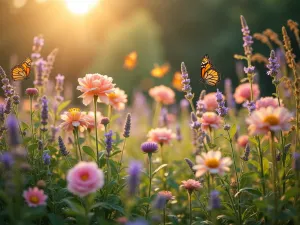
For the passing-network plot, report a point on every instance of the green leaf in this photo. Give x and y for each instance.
(115, 153)
(253, 141)
(24, 126)
(62, 106)
(248, 178)
(74, 205)
(32, 147)
(56, 219)
(158, 169)
(291, 193)
(89, 151)
(232, 130)
(249, 190)
(266, 165)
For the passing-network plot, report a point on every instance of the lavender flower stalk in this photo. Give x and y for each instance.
(178, 133)
(108, 142)
(201, 107)
(247, 153)
(62, 148)
(247, 38)
(186, 86)
(221, 110)
(46, 158)
(59, 87)
(13, 131)
(134, 172)
(44, 114)
(126, 134)
(228, 93)
(215, 202)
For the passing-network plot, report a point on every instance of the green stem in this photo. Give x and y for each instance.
(96, 127)
(108, 168)
(274, 176)
(164, 215)
(77, 142)
(250, 77)
(156, 115)
(31, 118)
(192, 105)
(121, 159)
(150, 181)
(236, 175)
(190, 207)
(261, 156)
(109, 112)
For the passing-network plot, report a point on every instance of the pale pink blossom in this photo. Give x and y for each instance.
(95, 85)
(117, 99)
(35, 197)
(269, 119)
(74, 118)
(191, 185)
(212, 162)
(211, 120)
(161, 135)
(242, 141)
(266, 102)
(85, 178)
(243, 92)
(210, 101)
(162, 94)
(90, 118)
(167, 195)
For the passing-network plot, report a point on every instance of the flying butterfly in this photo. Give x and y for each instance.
(209, 75)
(21, 71)
(130, 60)
(160, 71)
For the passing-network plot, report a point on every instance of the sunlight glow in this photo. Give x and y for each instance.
(81, 6)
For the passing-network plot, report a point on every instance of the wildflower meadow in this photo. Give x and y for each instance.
(223, 157)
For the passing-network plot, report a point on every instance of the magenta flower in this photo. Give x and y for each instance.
(85, 178)
(35, 197)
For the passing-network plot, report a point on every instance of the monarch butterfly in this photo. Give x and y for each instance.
(209, 75)
(130, 60)
(21, 71)
(160, 71)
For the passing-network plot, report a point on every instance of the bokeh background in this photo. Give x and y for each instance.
(96, 39)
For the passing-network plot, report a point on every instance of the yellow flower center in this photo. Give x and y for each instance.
(112, 95)
(212, 163)
(73, 111)
(84, 176)
(271, 119)
(34, 199)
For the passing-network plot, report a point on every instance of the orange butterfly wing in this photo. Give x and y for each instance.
(208, 74)
(177, 81)
(130, 60)
(160, 71)
(21, 72)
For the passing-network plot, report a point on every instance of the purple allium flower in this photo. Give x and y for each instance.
(46, 158)
(178, 133)
(186, 82)
(149, 147)
(246, 153)
(16, 99)
(273, 65)
(62, 147)
(137, 222)
(7, 159)
(221, 110)
(134, 171)
(215, 202)
(13, 130)
(44, 112)
(127, 126)
(108, 142)
(247, 38)
(8, 106)
(40, 145)
(296, 161)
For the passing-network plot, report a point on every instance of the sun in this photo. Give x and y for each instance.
(81, 6)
